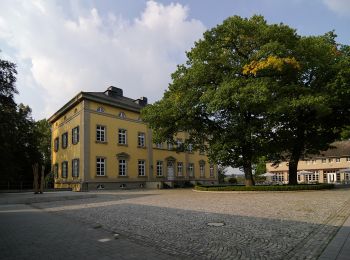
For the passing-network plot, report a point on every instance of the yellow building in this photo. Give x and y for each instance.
(330, 166)
(100, 142)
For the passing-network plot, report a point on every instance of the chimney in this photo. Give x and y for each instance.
(114, 92)
(142, 101)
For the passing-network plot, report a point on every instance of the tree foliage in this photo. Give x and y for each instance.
(23, 141)
(250, 89)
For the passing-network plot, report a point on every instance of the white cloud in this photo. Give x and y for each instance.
(59, 56)
(339, 6)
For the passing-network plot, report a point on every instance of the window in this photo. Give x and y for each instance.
(122, 167)
(100, 109)
(75, 168)
(190, 148)
(122, 136)
(324, 160)
(159, 168)
(64, 169)
(170, 146)
(122, 115)
(348, 159)
(159, 145)
(180, 169)
(100, 166)
(141, 139)
(313, 161)
(330, 160)
(202, 170)
(142, 168)
(100, 133)
(337, 159)
(190, 170)
(75, 135)
(65, 140)
(211, 170)
(56, 144)
(55, 170)
(179, 143)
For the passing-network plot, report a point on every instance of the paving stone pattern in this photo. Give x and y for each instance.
(258, 225)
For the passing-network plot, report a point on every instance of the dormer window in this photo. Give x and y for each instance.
(100, 109)
(122, 115)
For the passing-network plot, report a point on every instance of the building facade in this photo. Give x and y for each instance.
(330, 166)
(100, 142)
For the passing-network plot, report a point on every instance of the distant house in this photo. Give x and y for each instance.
(100, 142)
(330, 166)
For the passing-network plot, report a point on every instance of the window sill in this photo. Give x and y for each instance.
(126, 145)
(123, 176)
(142, 147)
(101, 142)
(101, 176)
(142, 176)
(75, 143)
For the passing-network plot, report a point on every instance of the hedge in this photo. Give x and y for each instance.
(265, 187)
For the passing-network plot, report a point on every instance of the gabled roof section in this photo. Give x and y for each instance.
(337, 149)
(112, 96)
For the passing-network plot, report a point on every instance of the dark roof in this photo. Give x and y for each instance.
(337, 149)
(100, 97)
(116, 101)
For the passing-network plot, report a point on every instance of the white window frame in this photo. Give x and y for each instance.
(122, 167)
(159, 145)
(190, 148)
(191, 170)
(101, 166)
(180, 169)
(100, 133)
(122, 136)
(159, 168)
(201, 170)
(141, 139)
(170, 146)
(141, 167)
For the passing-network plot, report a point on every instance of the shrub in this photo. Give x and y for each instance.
(266, 188)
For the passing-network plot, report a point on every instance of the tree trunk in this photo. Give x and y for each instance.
(293, 171)
(294, 159)
(247, 168)
(35, 167)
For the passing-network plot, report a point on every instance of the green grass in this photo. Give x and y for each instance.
(265, 188)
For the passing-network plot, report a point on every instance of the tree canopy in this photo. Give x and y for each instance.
(23, 141)
(250, 89)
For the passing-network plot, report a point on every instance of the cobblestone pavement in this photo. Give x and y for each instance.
(29, 233)
(257, 225)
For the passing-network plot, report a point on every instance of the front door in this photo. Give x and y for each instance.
(170, 171)
(331, 177)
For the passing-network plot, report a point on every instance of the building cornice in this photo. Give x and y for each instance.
(87, 96)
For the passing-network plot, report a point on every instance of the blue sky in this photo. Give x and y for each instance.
(64, 47)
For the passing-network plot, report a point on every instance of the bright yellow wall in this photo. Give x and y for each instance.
(73, 151)
(112, 148)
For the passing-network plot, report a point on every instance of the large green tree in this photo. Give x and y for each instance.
(311, 105)
(23, 141)
(216, 97)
